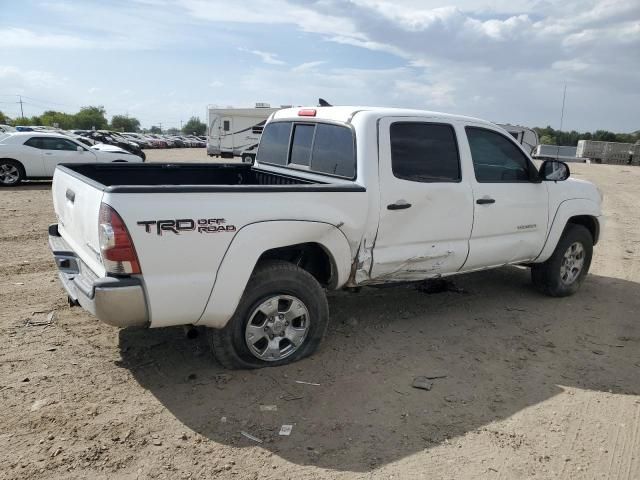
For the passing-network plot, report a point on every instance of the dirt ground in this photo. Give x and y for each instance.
(528, 387)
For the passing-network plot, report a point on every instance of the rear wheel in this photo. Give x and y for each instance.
(563, 273)
(281, 318)
(11, 173)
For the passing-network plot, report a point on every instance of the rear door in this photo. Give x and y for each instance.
(426, 205)
(511, 206)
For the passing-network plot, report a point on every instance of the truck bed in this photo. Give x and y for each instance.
(189, 177)
(115, 176)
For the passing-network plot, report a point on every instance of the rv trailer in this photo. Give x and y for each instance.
(526, 137)
(235, 132)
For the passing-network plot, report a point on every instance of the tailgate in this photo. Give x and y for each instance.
(77, 206)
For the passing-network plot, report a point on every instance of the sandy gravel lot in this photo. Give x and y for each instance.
(531, 387)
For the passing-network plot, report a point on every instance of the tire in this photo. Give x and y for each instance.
(279, 282)
(557, 278)
(247, 158)
(11, 173)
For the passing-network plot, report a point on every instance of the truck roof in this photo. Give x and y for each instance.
(345, 113)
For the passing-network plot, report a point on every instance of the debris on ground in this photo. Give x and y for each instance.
(285, 430)
(268, 408)
(250, 437)
(307, 383)
(423, 383)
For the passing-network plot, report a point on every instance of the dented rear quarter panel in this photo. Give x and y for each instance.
(179, 270)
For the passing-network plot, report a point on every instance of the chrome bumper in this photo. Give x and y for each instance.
(117, 301)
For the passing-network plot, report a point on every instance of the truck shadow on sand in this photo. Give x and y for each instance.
(501, 346)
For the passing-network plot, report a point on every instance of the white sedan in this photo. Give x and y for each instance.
(34, 155)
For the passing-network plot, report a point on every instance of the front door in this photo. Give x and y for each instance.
(61, 150)
(426, 205)
(511, 206)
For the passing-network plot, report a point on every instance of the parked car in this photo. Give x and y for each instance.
(338, 197)
(35, 155)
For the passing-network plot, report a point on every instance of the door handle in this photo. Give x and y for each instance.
(48, 153)
(71, 195)
(398, 206)
(485, 201)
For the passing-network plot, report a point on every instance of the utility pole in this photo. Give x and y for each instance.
(181, 125)
(21, 110)
(160, 127)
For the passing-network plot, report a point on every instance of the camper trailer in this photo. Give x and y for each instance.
(235, 132)
(526, 137)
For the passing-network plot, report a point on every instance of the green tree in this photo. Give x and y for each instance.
(91, 117)
(3, 118)
(124, 123)
(547, 140)
(173, 131)
(604, 136)
(62, 120)
(194, 126)
(155, 129)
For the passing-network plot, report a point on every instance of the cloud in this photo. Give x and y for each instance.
(23, 38)
(307, 66)
(15, 79)
(266, 57)
(216, 84)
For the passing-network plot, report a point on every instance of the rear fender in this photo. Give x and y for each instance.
(247, 247)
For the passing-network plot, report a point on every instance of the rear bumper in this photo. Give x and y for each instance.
(117, 301)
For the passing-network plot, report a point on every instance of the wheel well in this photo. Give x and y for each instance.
(311, 257)
(590, 223)
(16, 161)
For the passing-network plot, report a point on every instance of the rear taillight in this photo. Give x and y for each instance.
(118, 253)
(307, 112)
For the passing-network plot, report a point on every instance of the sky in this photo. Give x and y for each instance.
(163, 61)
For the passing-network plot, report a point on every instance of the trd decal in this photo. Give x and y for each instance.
(202, 225)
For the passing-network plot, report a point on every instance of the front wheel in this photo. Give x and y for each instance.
(563, 273)
(11, 173)
(281, 318)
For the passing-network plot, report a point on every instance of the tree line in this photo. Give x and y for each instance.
(550, 136)
(95, 118)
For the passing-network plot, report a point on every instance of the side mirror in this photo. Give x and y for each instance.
(554, 171)
(80, 149)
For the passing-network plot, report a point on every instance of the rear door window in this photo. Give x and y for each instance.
(424, 152)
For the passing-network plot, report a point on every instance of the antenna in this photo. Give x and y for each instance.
(564, 97)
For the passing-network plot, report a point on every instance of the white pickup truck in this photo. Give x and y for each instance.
(338, 197)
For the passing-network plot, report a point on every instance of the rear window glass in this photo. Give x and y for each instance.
(274, 144)
(333, 151)
(322, 147)
(301, 144)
